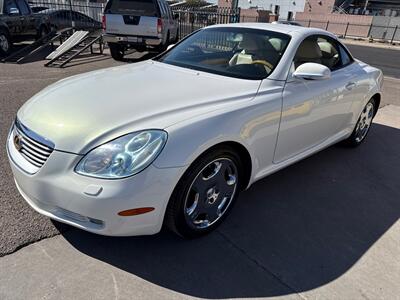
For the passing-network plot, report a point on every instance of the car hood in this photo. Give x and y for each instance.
(83, 111)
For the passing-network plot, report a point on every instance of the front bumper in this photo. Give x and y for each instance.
(132, 40)
(93, 204)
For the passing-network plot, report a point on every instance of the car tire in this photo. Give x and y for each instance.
(117, 51)
(205, 194)
(363, 125)
(5, 43)
(43, 31)
(163, 47)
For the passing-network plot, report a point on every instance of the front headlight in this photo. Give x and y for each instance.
(124, 156)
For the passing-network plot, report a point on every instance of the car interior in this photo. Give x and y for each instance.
(249, 54)
(318, 50)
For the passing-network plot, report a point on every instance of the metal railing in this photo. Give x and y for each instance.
(377, 32)
(193, 18)
(70, 13)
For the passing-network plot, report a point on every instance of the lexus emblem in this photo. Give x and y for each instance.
(18, 142)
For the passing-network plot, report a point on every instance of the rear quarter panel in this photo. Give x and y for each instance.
(369, 83)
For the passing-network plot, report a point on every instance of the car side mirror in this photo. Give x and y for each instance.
(312, 71)
(13, 11)
(170, 46)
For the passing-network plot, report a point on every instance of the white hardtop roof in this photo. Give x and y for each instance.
(282, 28)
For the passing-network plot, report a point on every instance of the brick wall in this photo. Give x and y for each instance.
(358, 25)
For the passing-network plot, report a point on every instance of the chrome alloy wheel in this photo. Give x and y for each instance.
(4, 44)
(364, 122)
(211, 193)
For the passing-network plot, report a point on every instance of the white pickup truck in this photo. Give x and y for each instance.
(138, 24)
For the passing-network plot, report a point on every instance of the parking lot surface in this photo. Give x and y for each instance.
(326, 227)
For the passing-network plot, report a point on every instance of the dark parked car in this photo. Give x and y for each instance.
(64, 18)
(19, 23)
(36, 9)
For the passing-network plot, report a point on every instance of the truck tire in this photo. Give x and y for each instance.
(117, 51)
(162, 47)
(5, 42)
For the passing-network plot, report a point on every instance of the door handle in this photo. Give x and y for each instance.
(350, 85)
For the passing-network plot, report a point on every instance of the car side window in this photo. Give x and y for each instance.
(24, 9)
(344, 55)
(319, 49)
(10, 6)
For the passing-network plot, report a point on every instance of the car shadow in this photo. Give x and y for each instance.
(293, 231)
(38, 56)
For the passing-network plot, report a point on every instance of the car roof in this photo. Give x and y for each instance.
(54, 10)
(281, 28)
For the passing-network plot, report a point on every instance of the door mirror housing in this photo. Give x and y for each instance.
(13, 11)
(312, 71)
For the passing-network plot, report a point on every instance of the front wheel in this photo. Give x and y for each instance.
(363, 124)
(205, 194)
(5, 43)
(117, 51)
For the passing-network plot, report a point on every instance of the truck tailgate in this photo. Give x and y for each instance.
(131, 25)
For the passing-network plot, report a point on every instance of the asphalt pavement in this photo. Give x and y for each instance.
(342, 208)
(388, 60)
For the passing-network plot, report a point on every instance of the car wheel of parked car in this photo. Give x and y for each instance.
(363, 124)
(205, 194)
(5, 42)
(117, 51)
(162, 47)
(43, 31)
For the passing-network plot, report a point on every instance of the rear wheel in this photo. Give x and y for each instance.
(163, 47)
(363, 124)
(43, 31)
(117, 51)
(5, 43)
(205, 194)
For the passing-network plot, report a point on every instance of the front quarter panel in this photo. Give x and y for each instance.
(252, 123)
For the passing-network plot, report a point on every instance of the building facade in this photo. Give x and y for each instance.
(283, 9)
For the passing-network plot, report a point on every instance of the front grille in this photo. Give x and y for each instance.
(31, 146)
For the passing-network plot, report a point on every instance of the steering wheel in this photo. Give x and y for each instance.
(196, 50)
(264, 63)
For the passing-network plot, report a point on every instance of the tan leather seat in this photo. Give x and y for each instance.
(309, 51)
(330, 56)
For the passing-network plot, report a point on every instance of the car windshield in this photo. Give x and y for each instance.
(235, 52)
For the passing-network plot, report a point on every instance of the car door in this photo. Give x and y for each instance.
(27, 19)
(13, 17)
(314, 110)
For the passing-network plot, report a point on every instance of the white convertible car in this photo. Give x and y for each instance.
(173, 140)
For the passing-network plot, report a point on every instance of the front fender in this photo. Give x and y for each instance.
(253, 124)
